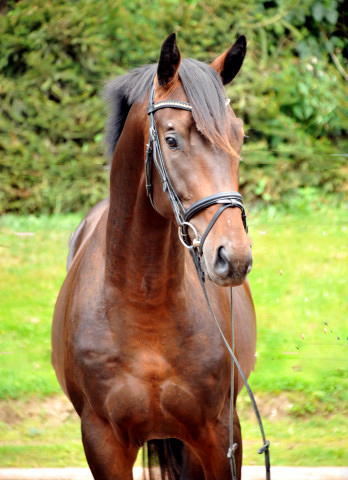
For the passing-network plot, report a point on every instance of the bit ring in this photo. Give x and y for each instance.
(195, 242)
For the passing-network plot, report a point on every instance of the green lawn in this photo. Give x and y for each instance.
(33, 252)
(299, 284)
(301, 378)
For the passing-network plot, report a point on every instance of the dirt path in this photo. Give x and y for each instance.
(249, 473)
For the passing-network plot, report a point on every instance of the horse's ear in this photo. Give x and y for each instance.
(169, 61)
(228, 64)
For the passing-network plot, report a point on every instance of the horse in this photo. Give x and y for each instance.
(134, 346)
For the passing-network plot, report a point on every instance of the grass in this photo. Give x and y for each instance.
(300, 292)
(33, 252)
(40, 432)
(301, 381)
(301, 301)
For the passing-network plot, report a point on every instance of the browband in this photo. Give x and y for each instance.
(169, 104)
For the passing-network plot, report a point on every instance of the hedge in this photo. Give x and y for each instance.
(55, 56)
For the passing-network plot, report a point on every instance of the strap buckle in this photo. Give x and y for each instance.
(153, 134)
(264, 448)
(231, 450)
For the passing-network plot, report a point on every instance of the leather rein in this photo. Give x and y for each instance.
(230, 199)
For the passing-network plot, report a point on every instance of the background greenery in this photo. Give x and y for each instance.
(56, 54)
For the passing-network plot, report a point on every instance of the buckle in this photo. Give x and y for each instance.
(231, 450)
(153, 134)
(264, 448)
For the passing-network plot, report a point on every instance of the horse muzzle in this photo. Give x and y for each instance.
(229, 266)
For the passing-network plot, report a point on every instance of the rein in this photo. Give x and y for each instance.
(227, 200)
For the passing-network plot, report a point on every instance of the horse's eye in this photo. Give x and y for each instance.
(171, 143)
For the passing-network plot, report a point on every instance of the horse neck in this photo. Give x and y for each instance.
(144, 258)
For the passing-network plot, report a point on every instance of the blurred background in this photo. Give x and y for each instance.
(55, 56)
(291, 93)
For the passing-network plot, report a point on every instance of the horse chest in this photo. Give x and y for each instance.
(149, 383)
(179, 395)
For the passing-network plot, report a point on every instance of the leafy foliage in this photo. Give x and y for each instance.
(56, 54)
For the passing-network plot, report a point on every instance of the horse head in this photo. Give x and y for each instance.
(200, 144)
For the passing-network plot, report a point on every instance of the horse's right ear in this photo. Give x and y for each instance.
(228, 64)
(169, 61)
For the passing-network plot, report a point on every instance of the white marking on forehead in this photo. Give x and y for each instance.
(170, 125)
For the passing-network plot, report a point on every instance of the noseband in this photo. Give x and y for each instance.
(227, 200)
(183, 217)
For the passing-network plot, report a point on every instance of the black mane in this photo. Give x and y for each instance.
(203, 88)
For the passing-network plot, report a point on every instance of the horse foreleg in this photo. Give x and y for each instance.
(106, 456)
(237, 438)
(213, 447)
(192, 468)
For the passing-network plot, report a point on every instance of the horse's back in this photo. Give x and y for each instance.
(85, 229)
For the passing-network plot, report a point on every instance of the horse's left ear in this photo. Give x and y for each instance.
(169, 61)
(228, 64)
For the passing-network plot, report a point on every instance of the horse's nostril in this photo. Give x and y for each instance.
(229, 266)
(221, 264)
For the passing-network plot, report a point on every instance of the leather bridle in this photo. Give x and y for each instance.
(154, 156)
(227, 200)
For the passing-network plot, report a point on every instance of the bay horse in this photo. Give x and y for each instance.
(134, 346)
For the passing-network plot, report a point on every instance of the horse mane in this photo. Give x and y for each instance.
(204, 91)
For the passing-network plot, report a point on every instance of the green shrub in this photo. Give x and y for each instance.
(56, 55)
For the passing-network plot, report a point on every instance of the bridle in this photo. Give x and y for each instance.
(182, 216)
(230, 199)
